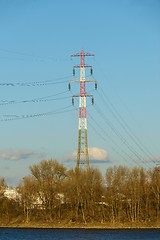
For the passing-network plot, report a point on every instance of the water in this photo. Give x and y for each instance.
(78, 234)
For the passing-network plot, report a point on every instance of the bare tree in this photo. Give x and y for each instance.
(2, 186)
(84, 191)
(29, 196)
(155, 190)
(49, 176)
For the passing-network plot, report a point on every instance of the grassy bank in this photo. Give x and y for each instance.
(80, 225)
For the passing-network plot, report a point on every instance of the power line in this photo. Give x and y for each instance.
(119, 135)
(32, 56)
(35, 100)
(125, 126)
(36, 83)
(20, 117)
(113, 142)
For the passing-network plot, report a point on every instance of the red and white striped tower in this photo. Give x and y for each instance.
(82, 152)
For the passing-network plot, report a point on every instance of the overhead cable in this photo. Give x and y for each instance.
(36, 83)
(125, 126)
(35, 100)
(19, 117)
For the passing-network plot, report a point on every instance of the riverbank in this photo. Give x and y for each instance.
(71, 225)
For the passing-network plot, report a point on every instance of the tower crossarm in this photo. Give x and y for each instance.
(86, 95)
(86, 80)
(84, 66)
(82, 53)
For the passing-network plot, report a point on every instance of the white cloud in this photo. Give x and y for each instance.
(98, 154)
(95, 154)
(19, 154)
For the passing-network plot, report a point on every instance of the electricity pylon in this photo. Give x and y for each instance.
(82, 151)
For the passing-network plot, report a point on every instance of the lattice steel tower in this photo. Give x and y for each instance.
(82, 151)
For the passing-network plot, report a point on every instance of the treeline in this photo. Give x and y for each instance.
(54, 194)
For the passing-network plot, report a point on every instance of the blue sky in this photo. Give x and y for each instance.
(36, 40)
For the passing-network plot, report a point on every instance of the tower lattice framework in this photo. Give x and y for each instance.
(82, 151)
